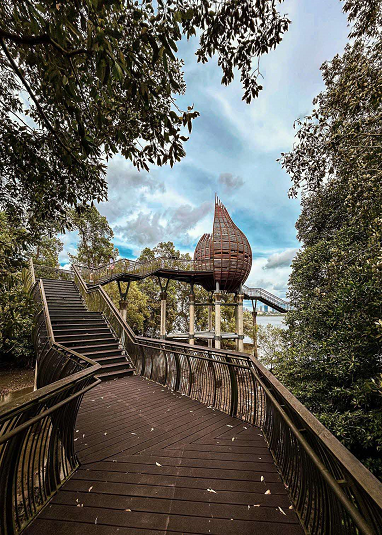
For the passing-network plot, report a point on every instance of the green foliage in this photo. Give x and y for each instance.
(95, 247)
(271, 344)
(137, 308)
(101, 78)
(333, 359)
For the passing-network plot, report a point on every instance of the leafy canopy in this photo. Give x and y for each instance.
(81, 80)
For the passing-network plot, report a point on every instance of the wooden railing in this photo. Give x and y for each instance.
(331, 491)
(37, 430)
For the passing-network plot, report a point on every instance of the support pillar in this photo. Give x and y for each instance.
(210, 326)
(217, 297)
(240, 321)
(191, 335)
(123, 309)
(254, 323)
(163, 303)
(123, 299)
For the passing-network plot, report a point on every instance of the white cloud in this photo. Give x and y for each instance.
(282, 259)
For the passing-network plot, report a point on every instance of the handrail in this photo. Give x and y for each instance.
(37, 452)
(332, 492)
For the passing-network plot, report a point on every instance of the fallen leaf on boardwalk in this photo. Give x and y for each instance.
(96, 520)
(249, 506)
(75, 439)
(152, 429)
(78, 505)
(262, 478)
(257, 505)
(90, 488)
(105, 433)
(281, 511)
(83, 436)
(77, 500)
(229, 425)
(233, 438)
(267, 492)
(158, 464)
(128, 510)
(212, 490)
(245, 427)
(291, 507)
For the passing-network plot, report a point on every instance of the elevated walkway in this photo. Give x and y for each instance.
(191, 271)
(156, 462)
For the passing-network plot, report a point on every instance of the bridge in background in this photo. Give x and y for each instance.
(198, 440)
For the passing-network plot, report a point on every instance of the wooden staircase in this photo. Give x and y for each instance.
(83, 331)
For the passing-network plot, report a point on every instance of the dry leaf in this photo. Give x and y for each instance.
(90, 488)
(105, 433)
(96, 520)
(158, 464)
(212, 490)
(152, 429)
(229, 425)
(291, 507)
(129, 510)
(256, 505)
(281, 511)
(267, 492)
(262, 478)
(233, 438)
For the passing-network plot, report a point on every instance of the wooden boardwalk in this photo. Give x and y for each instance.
(155, 462)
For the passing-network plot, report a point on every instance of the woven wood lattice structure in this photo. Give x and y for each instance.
(229, 250)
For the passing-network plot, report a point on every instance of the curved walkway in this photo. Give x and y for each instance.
(156, 462)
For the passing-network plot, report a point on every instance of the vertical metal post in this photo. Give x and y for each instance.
(210, 326)
(163, 303)
(217, 297)
(191, 335)
(240, 320)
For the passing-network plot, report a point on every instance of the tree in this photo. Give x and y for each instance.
(100, 78)
(16, 303)
(333, 359)
(95, 247)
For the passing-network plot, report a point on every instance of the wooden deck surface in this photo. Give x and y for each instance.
(155, 462)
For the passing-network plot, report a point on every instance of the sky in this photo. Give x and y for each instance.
(232, 151)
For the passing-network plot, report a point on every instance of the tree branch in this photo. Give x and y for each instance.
(34, 98)
(41, 39)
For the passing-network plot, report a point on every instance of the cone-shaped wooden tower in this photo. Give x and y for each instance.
(229, 250)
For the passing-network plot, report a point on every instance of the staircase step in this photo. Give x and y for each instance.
(104, 353)
(78, 324)
(115, 375)
(81, 337)
(85, 329)
(87, 346)
(111, 359)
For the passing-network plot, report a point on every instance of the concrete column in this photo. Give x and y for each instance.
(163, 302)
(240, 322)
(217, 297)
(210, 326)
(191, 335)
(123, 309)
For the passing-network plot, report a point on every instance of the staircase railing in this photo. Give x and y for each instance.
(269, 298)
(37, 432)
(331, 491)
